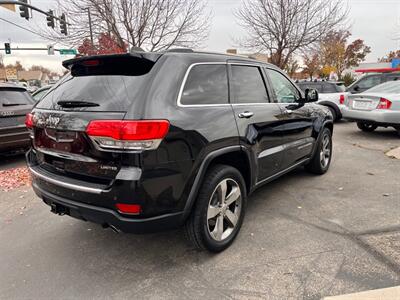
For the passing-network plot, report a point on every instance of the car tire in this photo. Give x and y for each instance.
(366, 127)
(321, 160)
(210, 226)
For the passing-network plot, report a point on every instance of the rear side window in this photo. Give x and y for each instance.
(12, 97)
(248, 85)
(206, 84)
(112, 85)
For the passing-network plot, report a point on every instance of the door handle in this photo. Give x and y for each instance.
(246, 114)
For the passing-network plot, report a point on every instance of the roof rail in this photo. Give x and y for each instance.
(180, 50)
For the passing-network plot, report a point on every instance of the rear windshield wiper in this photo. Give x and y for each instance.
(14, 104)
(77, 104)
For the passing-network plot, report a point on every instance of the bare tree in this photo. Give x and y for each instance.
(282, 27)
(150, 24)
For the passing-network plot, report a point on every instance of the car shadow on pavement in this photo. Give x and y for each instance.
(12, 160)
(173, 243)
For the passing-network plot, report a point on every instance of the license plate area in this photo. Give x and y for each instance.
(362, 104)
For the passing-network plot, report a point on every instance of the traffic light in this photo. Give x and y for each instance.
(63, 24)
(7, 47)
(50, 18)
(24, 10)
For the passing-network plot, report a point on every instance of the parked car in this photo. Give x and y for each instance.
(15, 103)
(144, 142)
(330, 94)
(38, 94)
(378, 106)
(370, 80)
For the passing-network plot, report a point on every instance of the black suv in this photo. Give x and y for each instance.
(370, 80)
(15, 103)
(144, 142)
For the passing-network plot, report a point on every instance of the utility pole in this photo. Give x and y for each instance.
(90, 26)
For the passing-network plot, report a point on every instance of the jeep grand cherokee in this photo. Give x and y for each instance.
(144, 142)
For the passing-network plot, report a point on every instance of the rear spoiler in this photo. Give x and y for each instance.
(151, 56)
(132, 64)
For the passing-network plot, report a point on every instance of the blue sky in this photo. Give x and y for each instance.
(375, 21)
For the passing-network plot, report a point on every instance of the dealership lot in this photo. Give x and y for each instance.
(304, 237)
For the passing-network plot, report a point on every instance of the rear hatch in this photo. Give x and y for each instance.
(15, 103)
(97, 88)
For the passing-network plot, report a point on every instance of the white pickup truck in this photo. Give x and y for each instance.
(331, 94)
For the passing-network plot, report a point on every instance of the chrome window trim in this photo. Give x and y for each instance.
(179, 103)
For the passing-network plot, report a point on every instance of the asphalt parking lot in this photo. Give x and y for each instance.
(304, 237)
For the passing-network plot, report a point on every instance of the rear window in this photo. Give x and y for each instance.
(10, 97)
(109, 86)
(329, 88)
(206, 84)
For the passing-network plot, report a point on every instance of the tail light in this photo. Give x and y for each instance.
(128, 135)
(384, 104)
(131, 209)
(341, 99)
(29, 121)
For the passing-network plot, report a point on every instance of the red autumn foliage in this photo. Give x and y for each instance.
(107, 44)
(13, 178)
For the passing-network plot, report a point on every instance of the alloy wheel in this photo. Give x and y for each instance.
(224, 209)
(325, 153)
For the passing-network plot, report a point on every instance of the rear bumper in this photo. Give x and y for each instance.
(375, 116)
(108, 217)
(96, 202)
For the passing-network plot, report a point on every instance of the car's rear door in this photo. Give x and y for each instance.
(297, 119)
(257, 118)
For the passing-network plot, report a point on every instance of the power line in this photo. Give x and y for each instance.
(31, 31)
(21, 27)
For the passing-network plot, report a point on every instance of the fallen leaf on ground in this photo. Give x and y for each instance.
(13, 178)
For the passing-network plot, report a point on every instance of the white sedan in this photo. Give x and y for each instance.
(378, 106)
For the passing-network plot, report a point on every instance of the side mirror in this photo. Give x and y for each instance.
(356, 88)
(311, 95)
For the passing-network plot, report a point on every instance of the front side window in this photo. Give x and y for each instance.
(248, 85)
(284, 90)
(206, 84)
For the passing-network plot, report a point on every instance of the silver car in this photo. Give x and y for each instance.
(378, 106)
